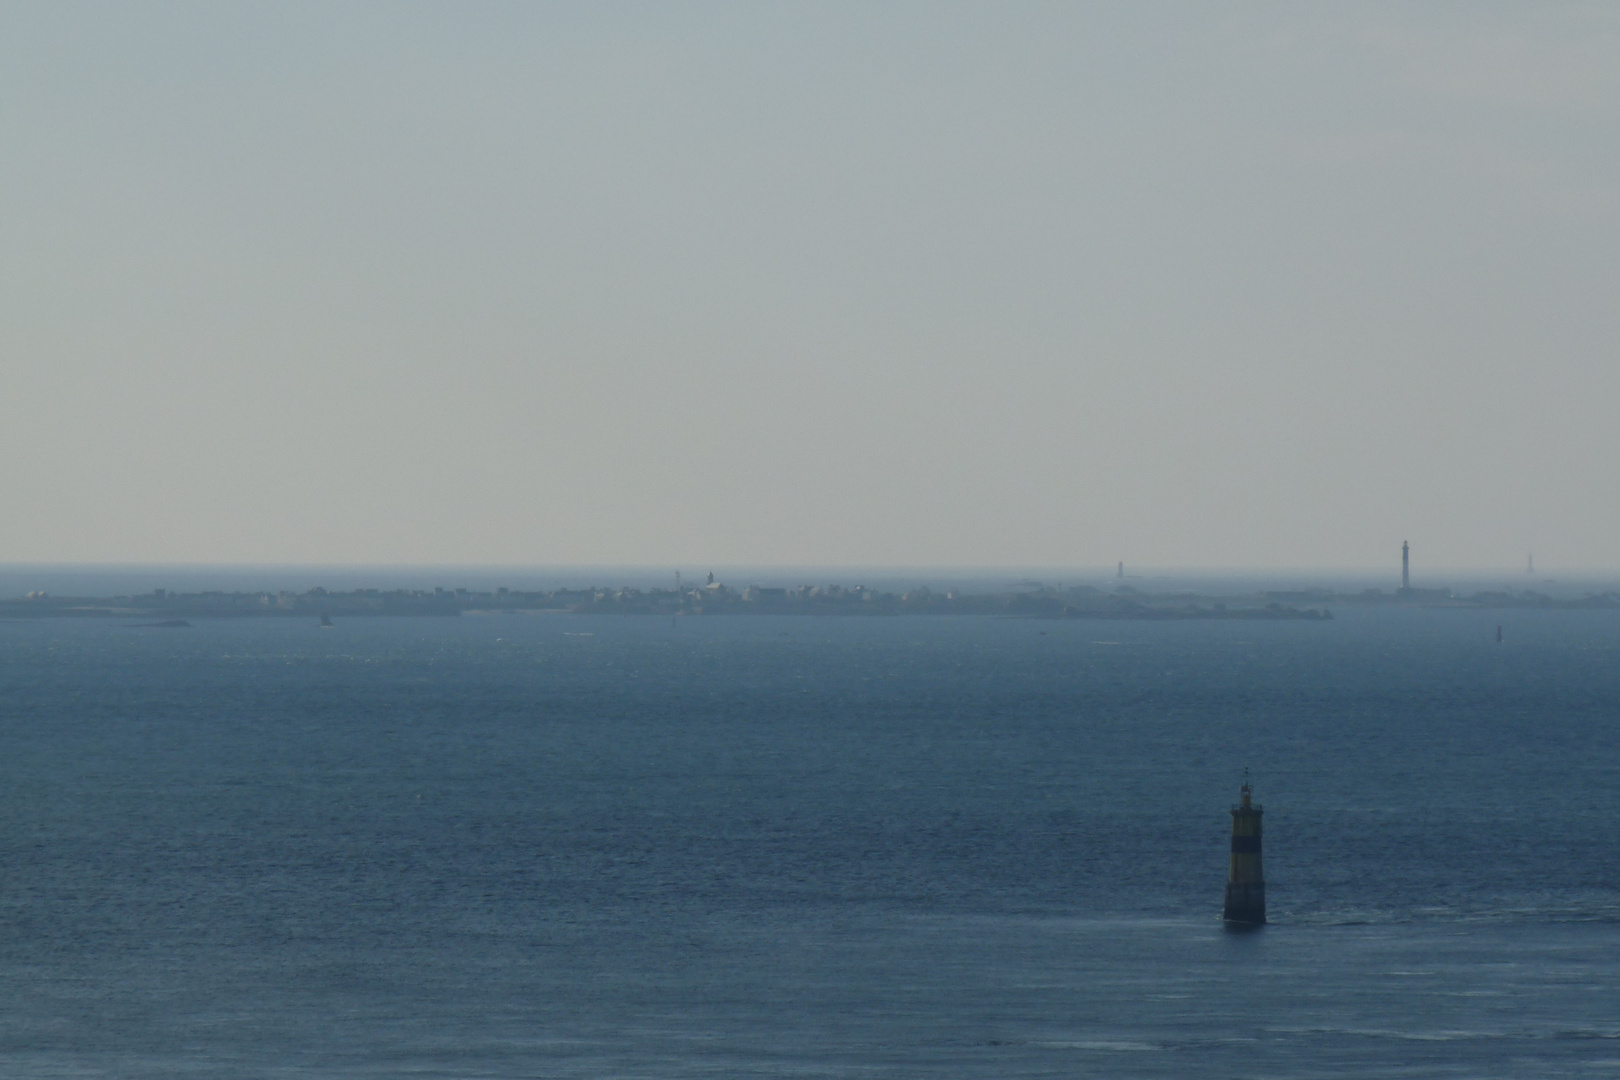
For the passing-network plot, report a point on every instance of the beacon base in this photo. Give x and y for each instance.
(1245, 903)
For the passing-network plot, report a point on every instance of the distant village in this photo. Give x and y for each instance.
(1028, 600)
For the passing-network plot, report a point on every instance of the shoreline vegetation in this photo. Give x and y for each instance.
(1031, 600)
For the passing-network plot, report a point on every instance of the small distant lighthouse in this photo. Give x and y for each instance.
(1245, 883)
(1406, 566)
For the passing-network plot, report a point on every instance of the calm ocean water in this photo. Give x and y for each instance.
(555, 846)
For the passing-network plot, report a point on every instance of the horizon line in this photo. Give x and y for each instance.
(1108, 568)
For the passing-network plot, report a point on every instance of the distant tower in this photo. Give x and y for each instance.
(1121, 574)
(1406, 566)
(1530, 563)
(1245, 883)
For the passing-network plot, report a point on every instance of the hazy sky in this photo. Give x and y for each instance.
(1215, 285)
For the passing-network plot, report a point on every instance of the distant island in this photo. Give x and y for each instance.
(1029, 600)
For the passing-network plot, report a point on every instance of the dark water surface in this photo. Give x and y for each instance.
(554, 846)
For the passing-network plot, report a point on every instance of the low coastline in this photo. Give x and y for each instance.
(1029, 601)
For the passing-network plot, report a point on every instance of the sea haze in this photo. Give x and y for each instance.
(574, 846)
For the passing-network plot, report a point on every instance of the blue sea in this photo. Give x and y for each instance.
(575, 846)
